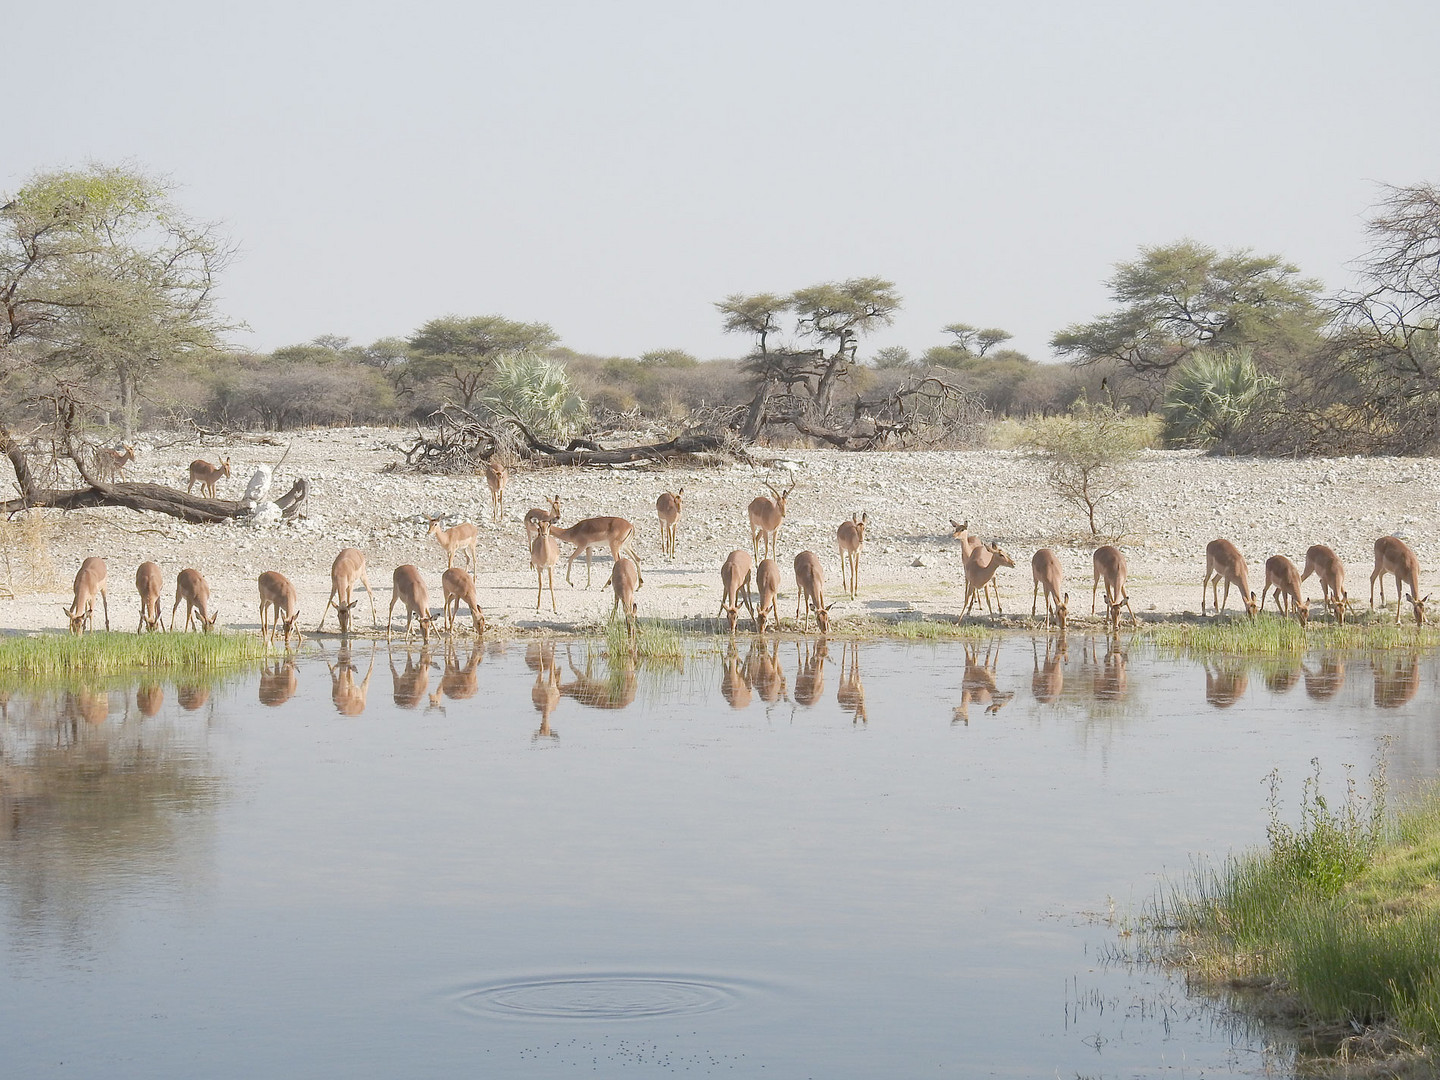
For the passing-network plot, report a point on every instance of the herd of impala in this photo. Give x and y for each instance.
(279, 606)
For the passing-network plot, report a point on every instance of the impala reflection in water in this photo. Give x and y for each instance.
(754, 856)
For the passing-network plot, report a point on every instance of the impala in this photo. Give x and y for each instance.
(810, 590)
(1224, 561)
(1045, 569)
(89, 581)
(461, 537)
(766, 517)
(1393, 556)
(148, 583)
(1281, 575)
(409, 589)
(735, 574)
(850, 538)
(111, 463)
(1322, 561)
(625, 579)
(590, 532)
(496, 474)
(667, 508)
(981, 563)
(1109, 564)
(537, 514)
(767, 584)
(278, 600)
(969, 542)
(458, 587)
(207, 475)
(346, 571)
(191, 587)
(544, 554)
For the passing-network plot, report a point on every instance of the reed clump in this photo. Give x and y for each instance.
(110, 653)
(1339, 915)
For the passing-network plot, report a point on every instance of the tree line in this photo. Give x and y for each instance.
(107, 289)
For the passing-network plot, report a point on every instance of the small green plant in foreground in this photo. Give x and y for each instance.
(109, 653)
(1341, 911)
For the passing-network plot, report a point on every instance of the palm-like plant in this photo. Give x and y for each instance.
(1212, 396)
(538, 393)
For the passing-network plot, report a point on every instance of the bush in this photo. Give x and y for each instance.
(1212, 397)
(1088, 452)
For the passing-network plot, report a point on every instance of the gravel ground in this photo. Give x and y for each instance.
(1180, 500)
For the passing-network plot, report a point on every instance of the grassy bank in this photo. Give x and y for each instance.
(1337, 921)
(111, 653)
(1284, 637)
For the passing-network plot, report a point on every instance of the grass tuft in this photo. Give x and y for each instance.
(1280, 636)
(111, 653)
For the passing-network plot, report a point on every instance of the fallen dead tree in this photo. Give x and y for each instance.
(97, 491)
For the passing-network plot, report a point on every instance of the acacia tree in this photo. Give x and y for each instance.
(102, 275)
(795, 382)
(1184, 297)
(463, 350)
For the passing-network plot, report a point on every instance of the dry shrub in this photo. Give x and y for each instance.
(25, 553)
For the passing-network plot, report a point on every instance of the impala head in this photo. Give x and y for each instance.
(1112, 613)
(1338, 606)
(434, 529)
(860, 521)
(822, 619)
(1303, 610)
(554, 507)
(999, 554)
(1252, 605)
(208, 623)
(959, 530)
(225, 467)
(342, 613)
(1419, 606)
(1061, 610)
(77, 621)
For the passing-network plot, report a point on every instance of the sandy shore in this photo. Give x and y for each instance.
(1180, 501)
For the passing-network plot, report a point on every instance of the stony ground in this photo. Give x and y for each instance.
(1179, 501)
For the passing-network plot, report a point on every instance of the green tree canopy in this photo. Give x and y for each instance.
(1183, 297)
(463, 350)
(101, 274)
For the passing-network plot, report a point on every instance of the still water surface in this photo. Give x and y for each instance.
(789, 860)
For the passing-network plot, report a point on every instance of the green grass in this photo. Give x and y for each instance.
(111, 653)
(1279, 636)
(1339, 914)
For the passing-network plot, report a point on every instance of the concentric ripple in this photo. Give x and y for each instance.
(600, 997)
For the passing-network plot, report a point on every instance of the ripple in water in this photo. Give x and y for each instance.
(599, 997)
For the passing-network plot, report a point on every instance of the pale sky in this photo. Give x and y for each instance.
(615, 168)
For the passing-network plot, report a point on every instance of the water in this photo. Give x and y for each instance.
(787, 861)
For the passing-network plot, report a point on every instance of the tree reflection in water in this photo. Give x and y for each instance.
(95, 803)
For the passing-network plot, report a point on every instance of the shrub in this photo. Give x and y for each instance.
(1211, 398)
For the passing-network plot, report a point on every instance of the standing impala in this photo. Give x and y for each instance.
(207, 475)
(850, 538)
(409, 589)
(111, 463)
(1393, 556)
(625, 579)
(1281, 575)
(981, 562)
(544, 554)
(458, 587)
(767, 584)
(735, 581)
(667, 509)
(969, 542)
(346, 571)
(539, 513)
(1045, 569)
(810, 590)
(89, 580)
(1322, 561)
(766, 517)
(148, 583)
(461, 537)
(278, 600)
(1224, 561)
(1109, 563)
(590, 532)
(495, 477)
(191, 587)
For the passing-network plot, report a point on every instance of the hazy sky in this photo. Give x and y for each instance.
(615, 168)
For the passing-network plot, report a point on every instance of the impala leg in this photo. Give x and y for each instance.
(390, 616)
(551, 571)
(539, 586)
(104, 600)
(371, 597)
